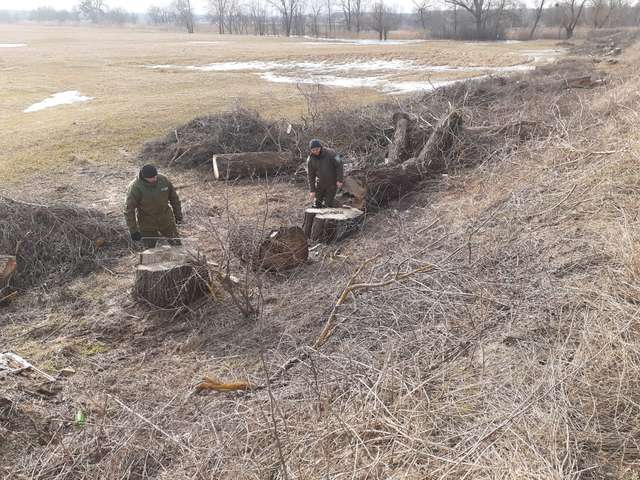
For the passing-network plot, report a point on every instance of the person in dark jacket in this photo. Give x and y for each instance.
(147, 209)
(325, 172)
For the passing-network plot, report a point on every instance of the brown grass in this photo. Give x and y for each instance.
(516, 358)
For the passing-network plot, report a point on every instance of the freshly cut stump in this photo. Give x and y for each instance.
(170, 277)
(327, 225)
(280, 250)
(8, 265)
(230, 166)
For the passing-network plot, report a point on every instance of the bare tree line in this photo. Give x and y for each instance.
(461, 19)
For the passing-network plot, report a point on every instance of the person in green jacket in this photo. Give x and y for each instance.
(325, 172)
(147, 209)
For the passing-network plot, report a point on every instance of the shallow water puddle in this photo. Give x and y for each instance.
(61, 98)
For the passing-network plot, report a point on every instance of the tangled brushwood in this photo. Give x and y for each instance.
(500, 111)
(55, 242)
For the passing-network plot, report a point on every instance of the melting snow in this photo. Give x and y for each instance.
(12, 45)
(323, 67)
(380, 83)
(326, 73)
(357, 41)
(546, 54)
(62, 98)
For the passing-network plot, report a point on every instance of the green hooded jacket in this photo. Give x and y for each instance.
(147, 205)
(324, 170)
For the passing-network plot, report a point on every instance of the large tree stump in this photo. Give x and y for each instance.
(399, 144)
(8, 265)
(170, 277)
(327, 225)
(280, 250)
(230, 166)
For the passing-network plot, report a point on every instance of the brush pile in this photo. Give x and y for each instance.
(500, 112)
(55, 242)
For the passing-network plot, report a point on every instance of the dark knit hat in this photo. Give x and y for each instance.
(315, 143)
(148, 171)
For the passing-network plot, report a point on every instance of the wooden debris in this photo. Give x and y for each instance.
(8, 266)
(280, 250)
(209, 383)
(12, 363)
(432, 157)
(327, 225)
(373, 187)
(399, 144)
(230, 166)
(585, 81)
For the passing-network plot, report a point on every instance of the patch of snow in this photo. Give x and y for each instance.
(543, 55)
(321, 67)
(359, 41)
(61, 98)
(12, 45)
(328, 80)
(378, 83)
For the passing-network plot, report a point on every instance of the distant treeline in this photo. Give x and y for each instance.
(459, 19)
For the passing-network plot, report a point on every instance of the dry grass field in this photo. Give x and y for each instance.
(132, 104)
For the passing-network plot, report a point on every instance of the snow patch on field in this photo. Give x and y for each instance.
(12, 45)
(367, 73)
(358, 41)
(324, 67)
(543, 55)
(389, 86)
(61, 98)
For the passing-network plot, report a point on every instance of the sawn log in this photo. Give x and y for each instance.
(230, 166)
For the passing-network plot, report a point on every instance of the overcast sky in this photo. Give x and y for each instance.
(131, 5)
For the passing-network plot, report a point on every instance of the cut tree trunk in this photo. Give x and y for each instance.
(230, 166)
(432, 157)
(586, 81)
(327, 225)
(8, 265)
(169, 277)
(280, 250)
(399, 144)
(372, 188)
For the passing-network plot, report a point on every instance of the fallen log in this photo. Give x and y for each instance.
(230, 166)
(585, 81)
(432, 157)
(280, 250)
(327, 225)
(169, 277)
(399, 144)
(8, 265)
(372, 188)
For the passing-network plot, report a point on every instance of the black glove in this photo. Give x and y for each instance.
(136, 236)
